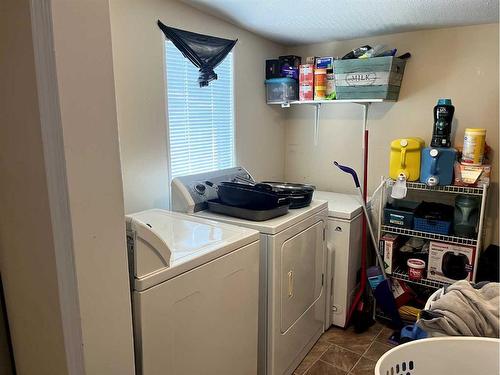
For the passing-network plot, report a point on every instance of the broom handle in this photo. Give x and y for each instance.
(372, 235)
(354, 175)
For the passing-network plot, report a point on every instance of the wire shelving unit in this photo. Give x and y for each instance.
(401, 274)
(476, 242)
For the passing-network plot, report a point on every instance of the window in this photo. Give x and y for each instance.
(201, 132)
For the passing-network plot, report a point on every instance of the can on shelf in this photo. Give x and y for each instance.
(474, 142)
(330, 85)
(319, 84)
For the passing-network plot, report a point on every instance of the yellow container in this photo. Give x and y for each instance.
(474, 141)
(405, 158)
(319, 84)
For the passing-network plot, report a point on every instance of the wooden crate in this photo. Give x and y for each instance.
(373, 78)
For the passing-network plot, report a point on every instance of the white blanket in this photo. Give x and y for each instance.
(464, 310)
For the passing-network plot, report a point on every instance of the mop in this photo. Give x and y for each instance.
(383, 293)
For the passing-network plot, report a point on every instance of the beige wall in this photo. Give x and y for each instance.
(27, 253)
(461, 63)
(458, 63)
(138, 53)
(82, 41)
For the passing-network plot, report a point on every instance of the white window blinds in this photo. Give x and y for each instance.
(200, 120)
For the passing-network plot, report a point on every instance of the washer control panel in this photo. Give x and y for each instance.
(190, 193)
(200, 188)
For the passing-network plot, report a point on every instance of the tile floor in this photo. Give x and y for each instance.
(342, 352)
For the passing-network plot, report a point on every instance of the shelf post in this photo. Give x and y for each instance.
(479, 232)
(366, 106)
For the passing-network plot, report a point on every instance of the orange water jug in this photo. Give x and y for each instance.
(405, 158)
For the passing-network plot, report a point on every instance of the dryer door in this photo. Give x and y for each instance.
(301, 273)
(296, 313)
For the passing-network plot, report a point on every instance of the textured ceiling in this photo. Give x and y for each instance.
(311, 21)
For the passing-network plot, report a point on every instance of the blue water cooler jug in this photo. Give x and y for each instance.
(437, 166)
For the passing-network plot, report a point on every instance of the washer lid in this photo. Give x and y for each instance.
(174, 242)
(340, 206)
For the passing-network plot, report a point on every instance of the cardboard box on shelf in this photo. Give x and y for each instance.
(402, 292)
(449, 262)
(306, 74)
(324, 63)
(306, 82)
(311, 60)
(388, 245)
(470, 175)
(290, 72)
(306, 92)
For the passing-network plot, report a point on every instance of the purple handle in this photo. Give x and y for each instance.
(349, 170)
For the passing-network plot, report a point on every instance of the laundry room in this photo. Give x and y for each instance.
(249, 187)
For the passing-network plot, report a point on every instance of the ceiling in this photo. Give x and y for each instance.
(312, 21)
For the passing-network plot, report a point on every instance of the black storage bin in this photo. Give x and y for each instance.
(273, 69)
(289, 60)
(400, 213)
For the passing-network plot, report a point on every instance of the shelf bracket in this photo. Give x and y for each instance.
(317, 108)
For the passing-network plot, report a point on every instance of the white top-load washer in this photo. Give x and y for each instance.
(195, 288)
(292, 268)
(344, 253)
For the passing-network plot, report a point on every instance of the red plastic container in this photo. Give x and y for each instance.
(416, 269)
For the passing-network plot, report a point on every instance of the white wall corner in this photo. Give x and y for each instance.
(55, 168)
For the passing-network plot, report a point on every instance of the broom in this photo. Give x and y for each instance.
(383, 292)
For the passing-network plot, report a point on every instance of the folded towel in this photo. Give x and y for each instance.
(464, 310)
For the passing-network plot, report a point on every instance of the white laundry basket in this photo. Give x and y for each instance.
(442, 356)
(433, 297)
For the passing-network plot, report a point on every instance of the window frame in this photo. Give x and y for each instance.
(167, 118)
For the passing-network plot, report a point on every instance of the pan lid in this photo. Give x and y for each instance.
(289, 187)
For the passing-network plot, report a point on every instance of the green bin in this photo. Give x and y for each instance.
(372, 78)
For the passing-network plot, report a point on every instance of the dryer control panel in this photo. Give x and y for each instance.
(190, 193)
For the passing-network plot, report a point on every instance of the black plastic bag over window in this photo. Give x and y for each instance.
(204, 51)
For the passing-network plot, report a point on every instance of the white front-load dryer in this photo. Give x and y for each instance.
(292, 271)
(292, 294)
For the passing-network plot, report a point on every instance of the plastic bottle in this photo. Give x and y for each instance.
(474, 143)
(372, 52)
(330, 84)
(443, 116)
(355, 53)
(319, 84)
